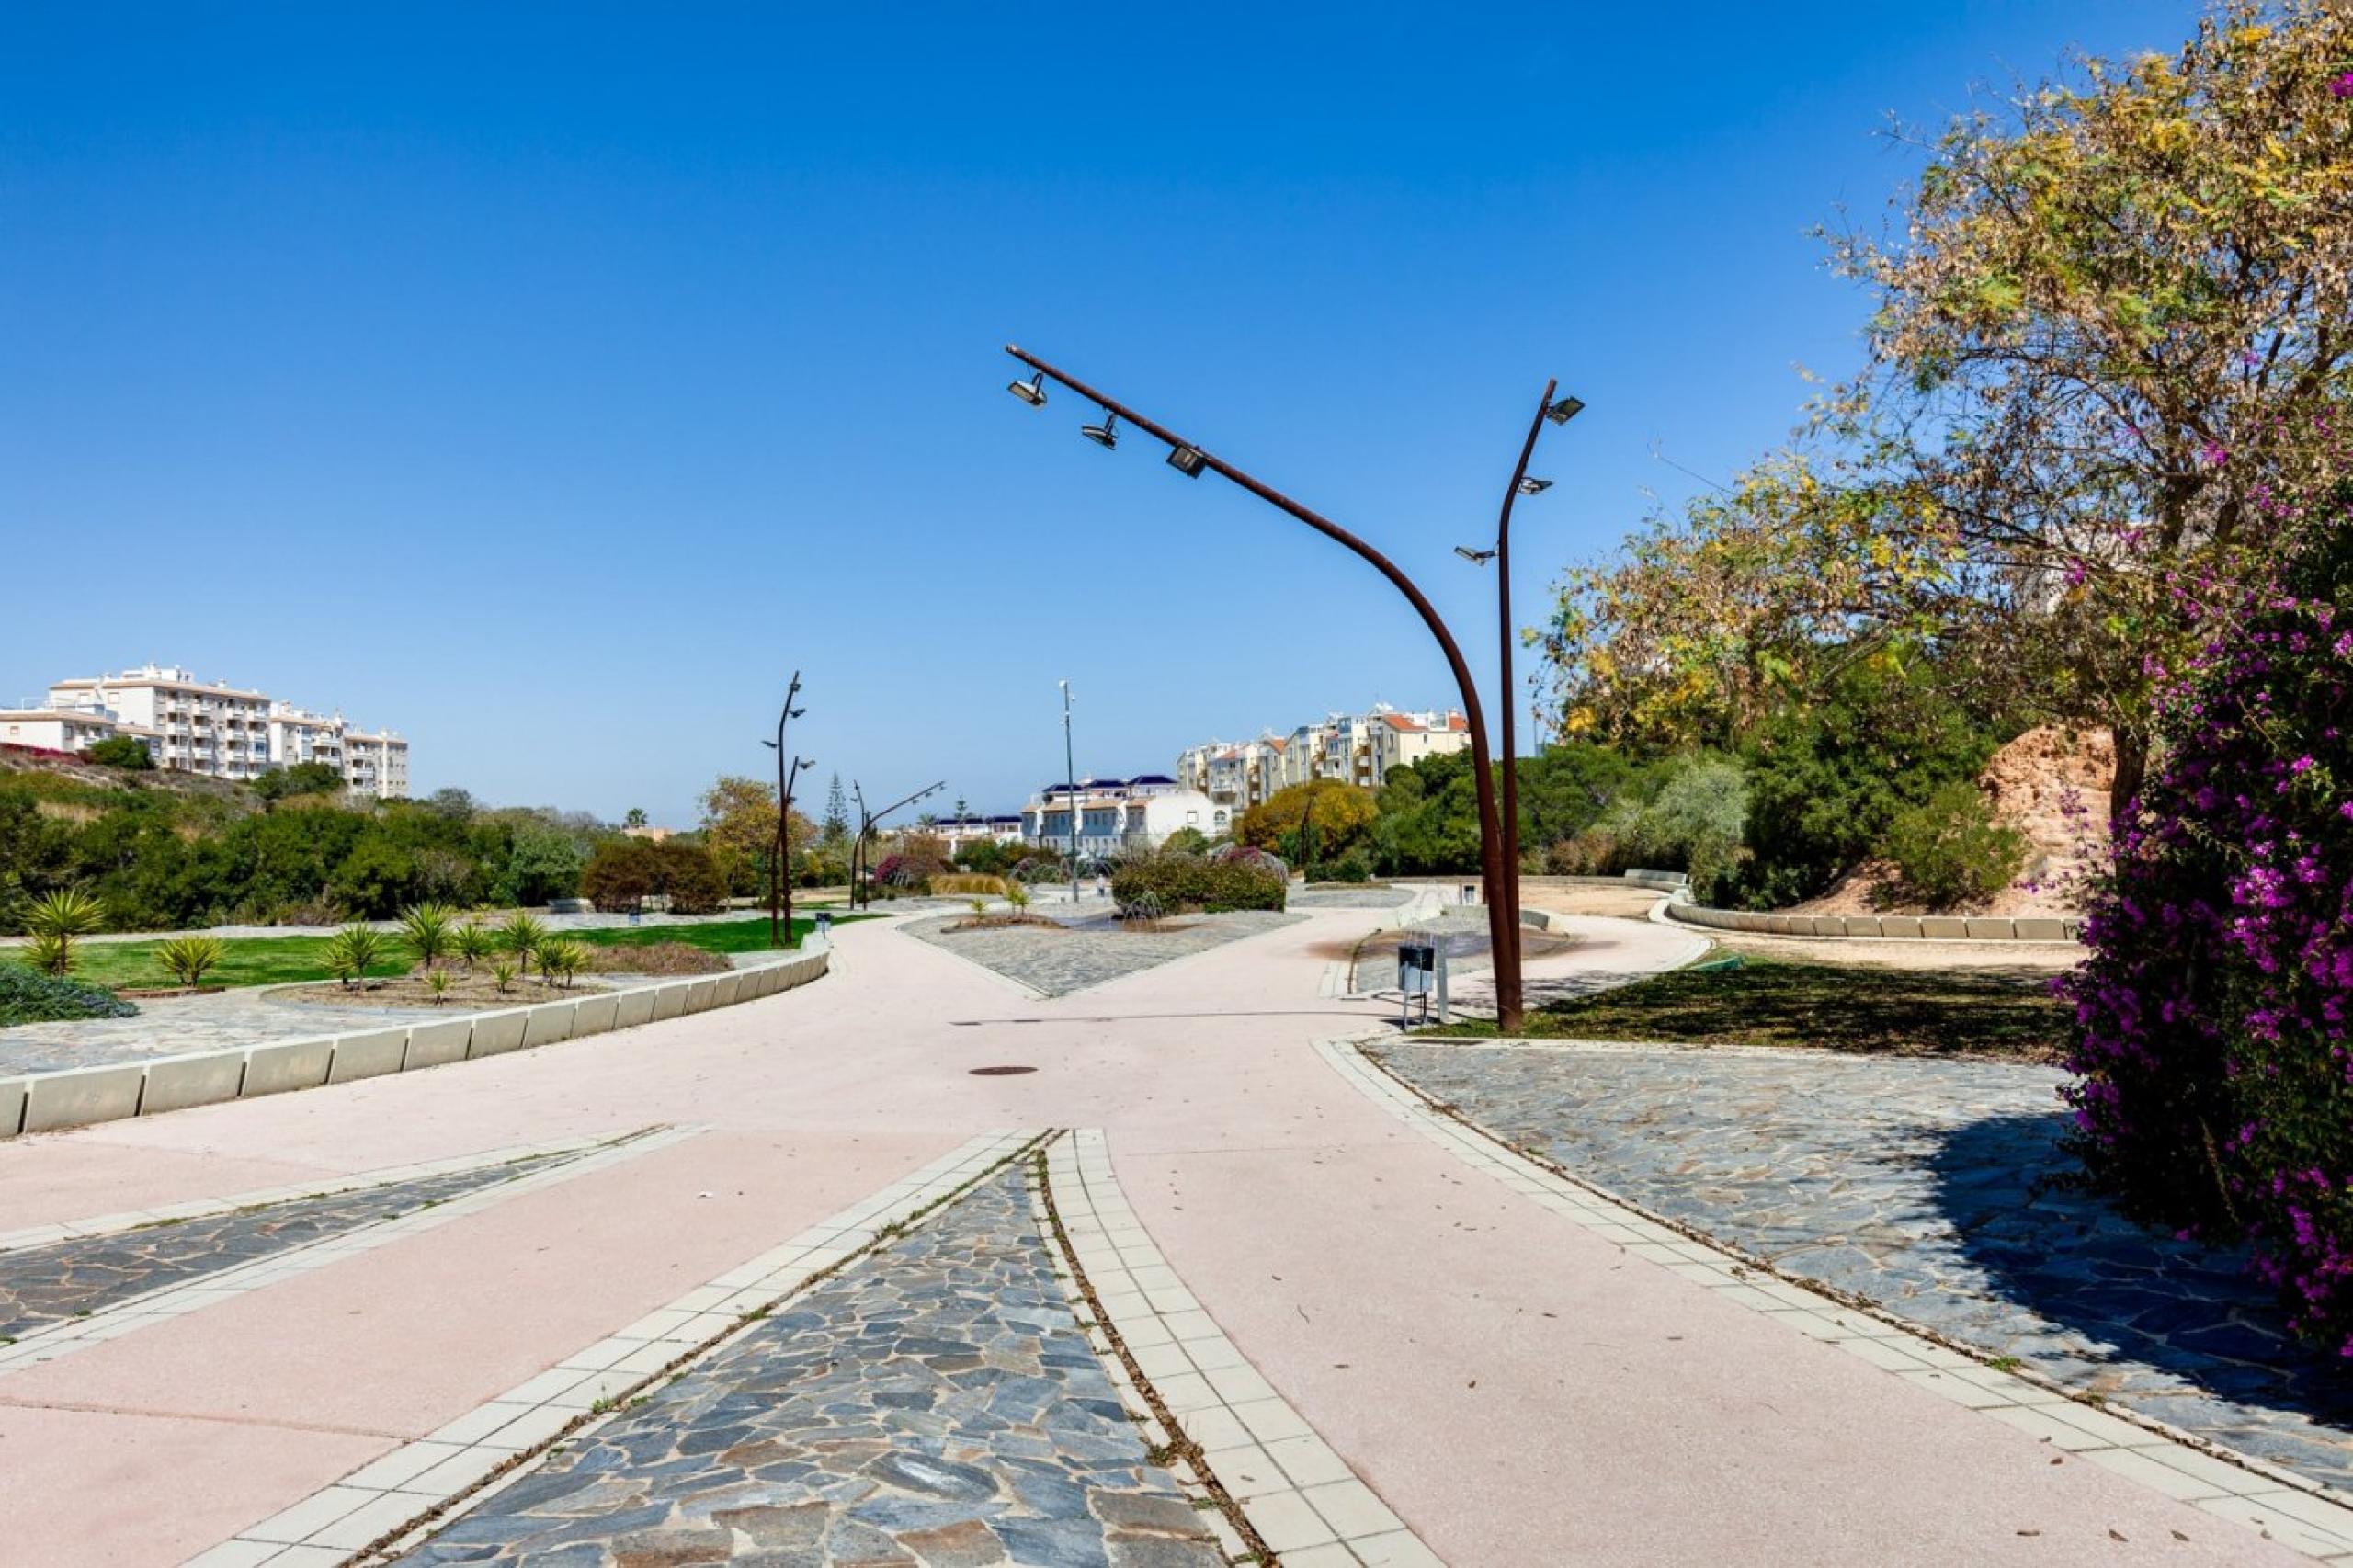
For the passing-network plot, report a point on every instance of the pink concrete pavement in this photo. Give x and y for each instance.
(1518, 1391)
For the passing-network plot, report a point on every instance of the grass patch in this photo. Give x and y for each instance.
(1814, 1006)
(278, 961)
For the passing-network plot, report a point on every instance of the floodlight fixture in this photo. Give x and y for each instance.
(1564, 411)
(1032, 391)
(1531, 485)
(1477, 557)
(1106, 434)
(1187, 461)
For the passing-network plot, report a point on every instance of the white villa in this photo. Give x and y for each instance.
(1119, 814)
(1358, 748)
(194, 726)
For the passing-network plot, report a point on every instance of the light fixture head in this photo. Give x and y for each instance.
(1106, 434)
(770, 744)
(1032, 391)
(1531, 485)
(1477, 557)
(1564, 409)
(1187, 461)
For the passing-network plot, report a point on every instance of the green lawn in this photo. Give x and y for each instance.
(273, 960)
(1815, 1007)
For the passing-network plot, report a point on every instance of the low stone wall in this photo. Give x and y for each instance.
(42, 1102)
(1901, 927)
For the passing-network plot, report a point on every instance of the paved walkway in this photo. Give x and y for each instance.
(1062, 957)
(1517, 1388)
(1930, 1188)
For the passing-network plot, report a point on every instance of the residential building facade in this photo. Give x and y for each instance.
(223, 732)
(1119, 816)
(1356, 748)
(958, 832)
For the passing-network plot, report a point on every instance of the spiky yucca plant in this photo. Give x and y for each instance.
(427, 931)
(190, 959)
(54, 920)
(352, 952)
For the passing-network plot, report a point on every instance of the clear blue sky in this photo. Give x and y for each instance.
(549, 383)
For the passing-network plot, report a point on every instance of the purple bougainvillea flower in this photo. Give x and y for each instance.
(2343, 86)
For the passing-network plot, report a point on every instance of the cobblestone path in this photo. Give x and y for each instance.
(1926, 1186)
(934, 1403)
(57, 1280)
(1060, 959)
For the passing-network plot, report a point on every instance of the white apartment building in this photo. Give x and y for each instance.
(221, 731)
(1116, 815)
(376, 763)
(63, 728)
(1358, 748)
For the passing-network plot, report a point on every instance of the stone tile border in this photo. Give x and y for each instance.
(386, 1505)
(1238, 1442)
(45, 1102)
(1907, 927)
(174, 1300)
(321, 1187)
(2310, 1518)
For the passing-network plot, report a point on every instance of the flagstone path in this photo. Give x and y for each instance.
(936, 1403)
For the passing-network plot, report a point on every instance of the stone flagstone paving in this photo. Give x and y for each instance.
(934, 1403)
(57, 1280)
(1926, 1186)
(1092, 950)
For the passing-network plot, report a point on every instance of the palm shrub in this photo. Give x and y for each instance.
(1016, 893)
(502, 975)
(352, 952)
(2212, 1015)
(427, 931)
(521, 936)
(438, 983)
(561, 958)
(190, 959)
(54, 920)
(473, 942)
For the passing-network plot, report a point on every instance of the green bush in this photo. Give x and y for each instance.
(190, 959)
(121, 751)
(1694, 823)
(29, 997)
(1951, 849)
(1167, 884)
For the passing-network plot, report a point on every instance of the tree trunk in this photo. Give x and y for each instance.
(2131, 767)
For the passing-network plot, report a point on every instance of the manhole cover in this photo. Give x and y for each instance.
(999, 1071)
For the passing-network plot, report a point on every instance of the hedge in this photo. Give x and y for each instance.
(1169, 882)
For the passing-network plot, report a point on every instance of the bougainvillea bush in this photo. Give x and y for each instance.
(2216, 1077)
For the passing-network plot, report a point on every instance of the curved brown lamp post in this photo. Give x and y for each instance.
(1503, 928)
(781, 871)
(1560, 412)
(868, 820)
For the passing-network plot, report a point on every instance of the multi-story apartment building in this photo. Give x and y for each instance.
(1116, 815)
(1360, 748)
(957, 831)
(221, 731)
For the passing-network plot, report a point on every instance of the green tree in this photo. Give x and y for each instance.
(2110, 334)
(636, 817)
(835, 829)
(1305, 824)
(303, 779)
(121, 751)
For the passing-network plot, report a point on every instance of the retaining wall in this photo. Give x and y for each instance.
(42, 1102)
(1901, 927)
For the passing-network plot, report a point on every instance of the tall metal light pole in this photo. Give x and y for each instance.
(1070, 784)
(1560, 412)
(1191, 461)
(857, 845)
(779, 869)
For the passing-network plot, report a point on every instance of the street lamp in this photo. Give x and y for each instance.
(1070, 787)
(868, 820)
(1502, 926)
(1522, 484)
(779, 881)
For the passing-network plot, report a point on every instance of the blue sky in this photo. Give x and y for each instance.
(548, 383)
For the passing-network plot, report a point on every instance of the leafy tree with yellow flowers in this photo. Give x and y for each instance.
(2113, 335)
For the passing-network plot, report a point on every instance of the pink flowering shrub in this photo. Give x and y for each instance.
(2215, 1088)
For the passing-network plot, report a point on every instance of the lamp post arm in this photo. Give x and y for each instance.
(1504, 942)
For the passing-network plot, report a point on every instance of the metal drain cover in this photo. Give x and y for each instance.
(999, 1071)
